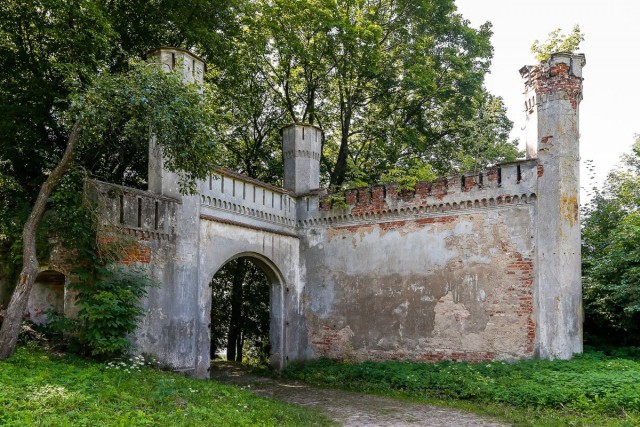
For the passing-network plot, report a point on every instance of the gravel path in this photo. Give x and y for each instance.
(349, 408)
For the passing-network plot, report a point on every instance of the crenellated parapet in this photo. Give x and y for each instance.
(142, 214)
(507, 184)
(559, 77)
(229, 196)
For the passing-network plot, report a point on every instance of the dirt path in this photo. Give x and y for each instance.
(349, 408)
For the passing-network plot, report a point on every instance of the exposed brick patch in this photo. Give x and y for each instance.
(393, 225)
(423, 189)
(439, 188)
(377, 195)
(137, 252)
(540, 170)
(557, 79)
(350, 197)
(331, 342)
(523, 271)
(364, 196)
(469, 183)
(493, 175)
(128, 250)
(445, 193)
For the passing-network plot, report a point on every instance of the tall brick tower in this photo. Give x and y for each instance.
(553, 92)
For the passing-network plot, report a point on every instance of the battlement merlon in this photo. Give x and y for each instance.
(508, 183)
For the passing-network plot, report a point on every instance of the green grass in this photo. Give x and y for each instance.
(593, 389)
(40, 389)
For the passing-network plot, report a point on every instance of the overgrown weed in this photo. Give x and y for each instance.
(592, 389)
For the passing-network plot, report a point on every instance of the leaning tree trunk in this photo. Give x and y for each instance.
(18, 304)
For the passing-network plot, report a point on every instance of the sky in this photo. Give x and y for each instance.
(610, 109)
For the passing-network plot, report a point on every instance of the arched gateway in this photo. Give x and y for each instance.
(477, 267)
(276, 283)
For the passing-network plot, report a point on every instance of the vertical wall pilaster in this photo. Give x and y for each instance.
(553, 94)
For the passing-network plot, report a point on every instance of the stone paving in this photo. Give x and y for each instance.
(350, 409)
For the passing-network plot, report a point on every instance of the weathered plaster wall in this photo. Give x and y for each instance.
(183, 243)
(430, 282)
(145, 226)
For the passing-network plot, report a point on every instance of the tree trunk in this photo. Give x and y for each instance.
(239, 347)
(18, 303)
(340, 170)
(235, 323)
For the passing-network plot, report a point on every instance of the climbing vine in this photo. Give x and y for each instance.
(107, 293)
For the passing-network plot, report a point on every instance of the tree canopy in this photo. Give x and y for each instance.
(394, 85)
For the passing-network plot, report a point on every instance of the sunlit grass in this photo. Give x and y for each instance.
(40, 389)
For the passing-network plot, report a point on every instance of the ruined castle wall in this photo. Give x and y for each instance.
(145, 226)
(181, 243)
(446, 272)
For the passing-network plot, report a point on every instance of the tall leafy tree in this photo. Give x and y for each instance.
(143, 99)
(248, 114)
(50, 49)
(391, 82)
(611, 255)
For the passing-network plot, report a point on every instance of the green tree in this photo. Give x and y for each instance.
(558, 42)
(248, 115)
(143, 99)
(392, 83)
(611, 256)
(51, 49)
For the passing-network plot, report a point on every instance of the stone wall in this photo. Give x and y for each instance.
(183, 242)
(445, 272)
